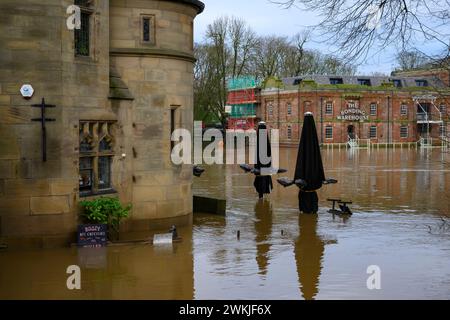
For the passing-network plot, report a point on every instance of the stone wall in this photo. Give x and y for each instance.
(160, 77)
(39, 201)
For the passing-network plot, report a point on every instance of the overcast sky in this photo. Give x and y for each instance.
(267, 18)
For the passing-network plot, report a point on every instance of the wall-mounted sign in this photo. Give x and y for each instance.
(27, 91)
(92, 235)
(353, 114)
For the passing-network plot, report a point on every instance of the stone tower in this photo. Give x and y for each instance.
(151, 46)
(120, 84)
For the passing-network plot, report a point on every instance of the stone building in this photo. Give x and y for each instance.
(367, 110)
(119, 85)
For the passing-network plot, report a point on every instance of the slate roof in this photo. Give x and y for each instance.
(374, 80)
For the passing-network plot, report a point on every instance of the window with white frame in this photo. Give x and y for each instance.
(329, 132)
(404, 109)
(289, 132)
(270, 108)
(289, 109)
(404, 132)
(373, 109)
(373, 132)
(329, 108)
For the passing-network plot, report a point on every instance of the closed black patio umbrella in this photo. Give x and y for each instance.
(309, 174)
(263, 183)
(262, 169)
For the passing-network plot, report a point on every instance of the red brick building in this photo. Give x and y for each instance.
(376, 109)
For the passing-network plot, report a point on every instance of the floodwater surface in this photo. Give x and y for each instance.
(401, 206)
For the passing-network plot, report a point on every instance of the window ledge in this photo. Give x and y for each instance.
(84, 59)
(87, 194)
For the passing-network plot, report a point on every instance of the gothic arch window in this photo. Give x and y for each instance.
(96, 156)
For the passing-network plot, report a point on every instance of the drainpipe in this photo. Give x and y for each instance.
(389, 120)
(321, 120)
(299, 114)
(278, 108)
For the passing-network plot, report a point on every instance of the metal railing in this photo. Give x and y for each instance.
(428, 116)
(426, 142)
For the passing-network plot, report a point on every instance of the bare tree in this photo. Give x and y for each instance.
(243, 41)
(225, 53)
(359, 26)
(295, 57)
(270, 56)
(283, 57)
(231, 49)
(206, 82)
(408, 60)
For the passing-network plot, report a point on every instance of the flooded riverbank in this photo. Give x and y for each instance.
(401, 202)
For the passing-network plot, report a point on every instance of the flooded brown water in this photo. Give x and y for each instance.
(400, 200)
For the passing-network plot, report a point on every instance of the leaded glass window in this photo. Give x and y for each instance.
(82, 35)
(86, 174)
(148, 29)
(104, 173)
(96, 156)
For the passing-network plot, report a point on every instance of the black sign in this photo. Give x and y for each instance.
(92, 235)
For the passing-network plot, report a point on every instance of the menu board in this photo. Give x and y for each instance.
(92, 235)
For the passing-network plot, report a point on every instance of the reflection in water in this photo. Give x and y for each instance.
(397, 196)
(93, 258)
(128, 272)
(263, 230)
(309, 249)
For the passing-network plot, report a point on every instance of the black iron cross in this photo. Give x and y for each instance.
(43, 120)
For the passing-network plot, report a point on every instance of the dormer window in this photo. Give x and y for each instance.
(421, 83)
(397, 83)
(364, 82)
(336, 81)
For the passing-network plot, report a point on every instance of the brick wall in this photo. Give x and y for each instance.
(289, 106)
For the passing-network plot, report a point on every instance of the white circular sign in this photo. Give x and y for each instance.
(27, 91)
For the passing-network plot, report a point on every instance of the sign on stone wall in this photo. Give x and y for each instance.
(352, 113)
(92, 235)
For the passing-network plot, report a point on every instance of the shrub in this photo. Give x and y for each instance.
(105, 211)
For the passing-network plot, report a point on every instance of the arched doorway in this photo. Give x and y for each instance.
(351, 131)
